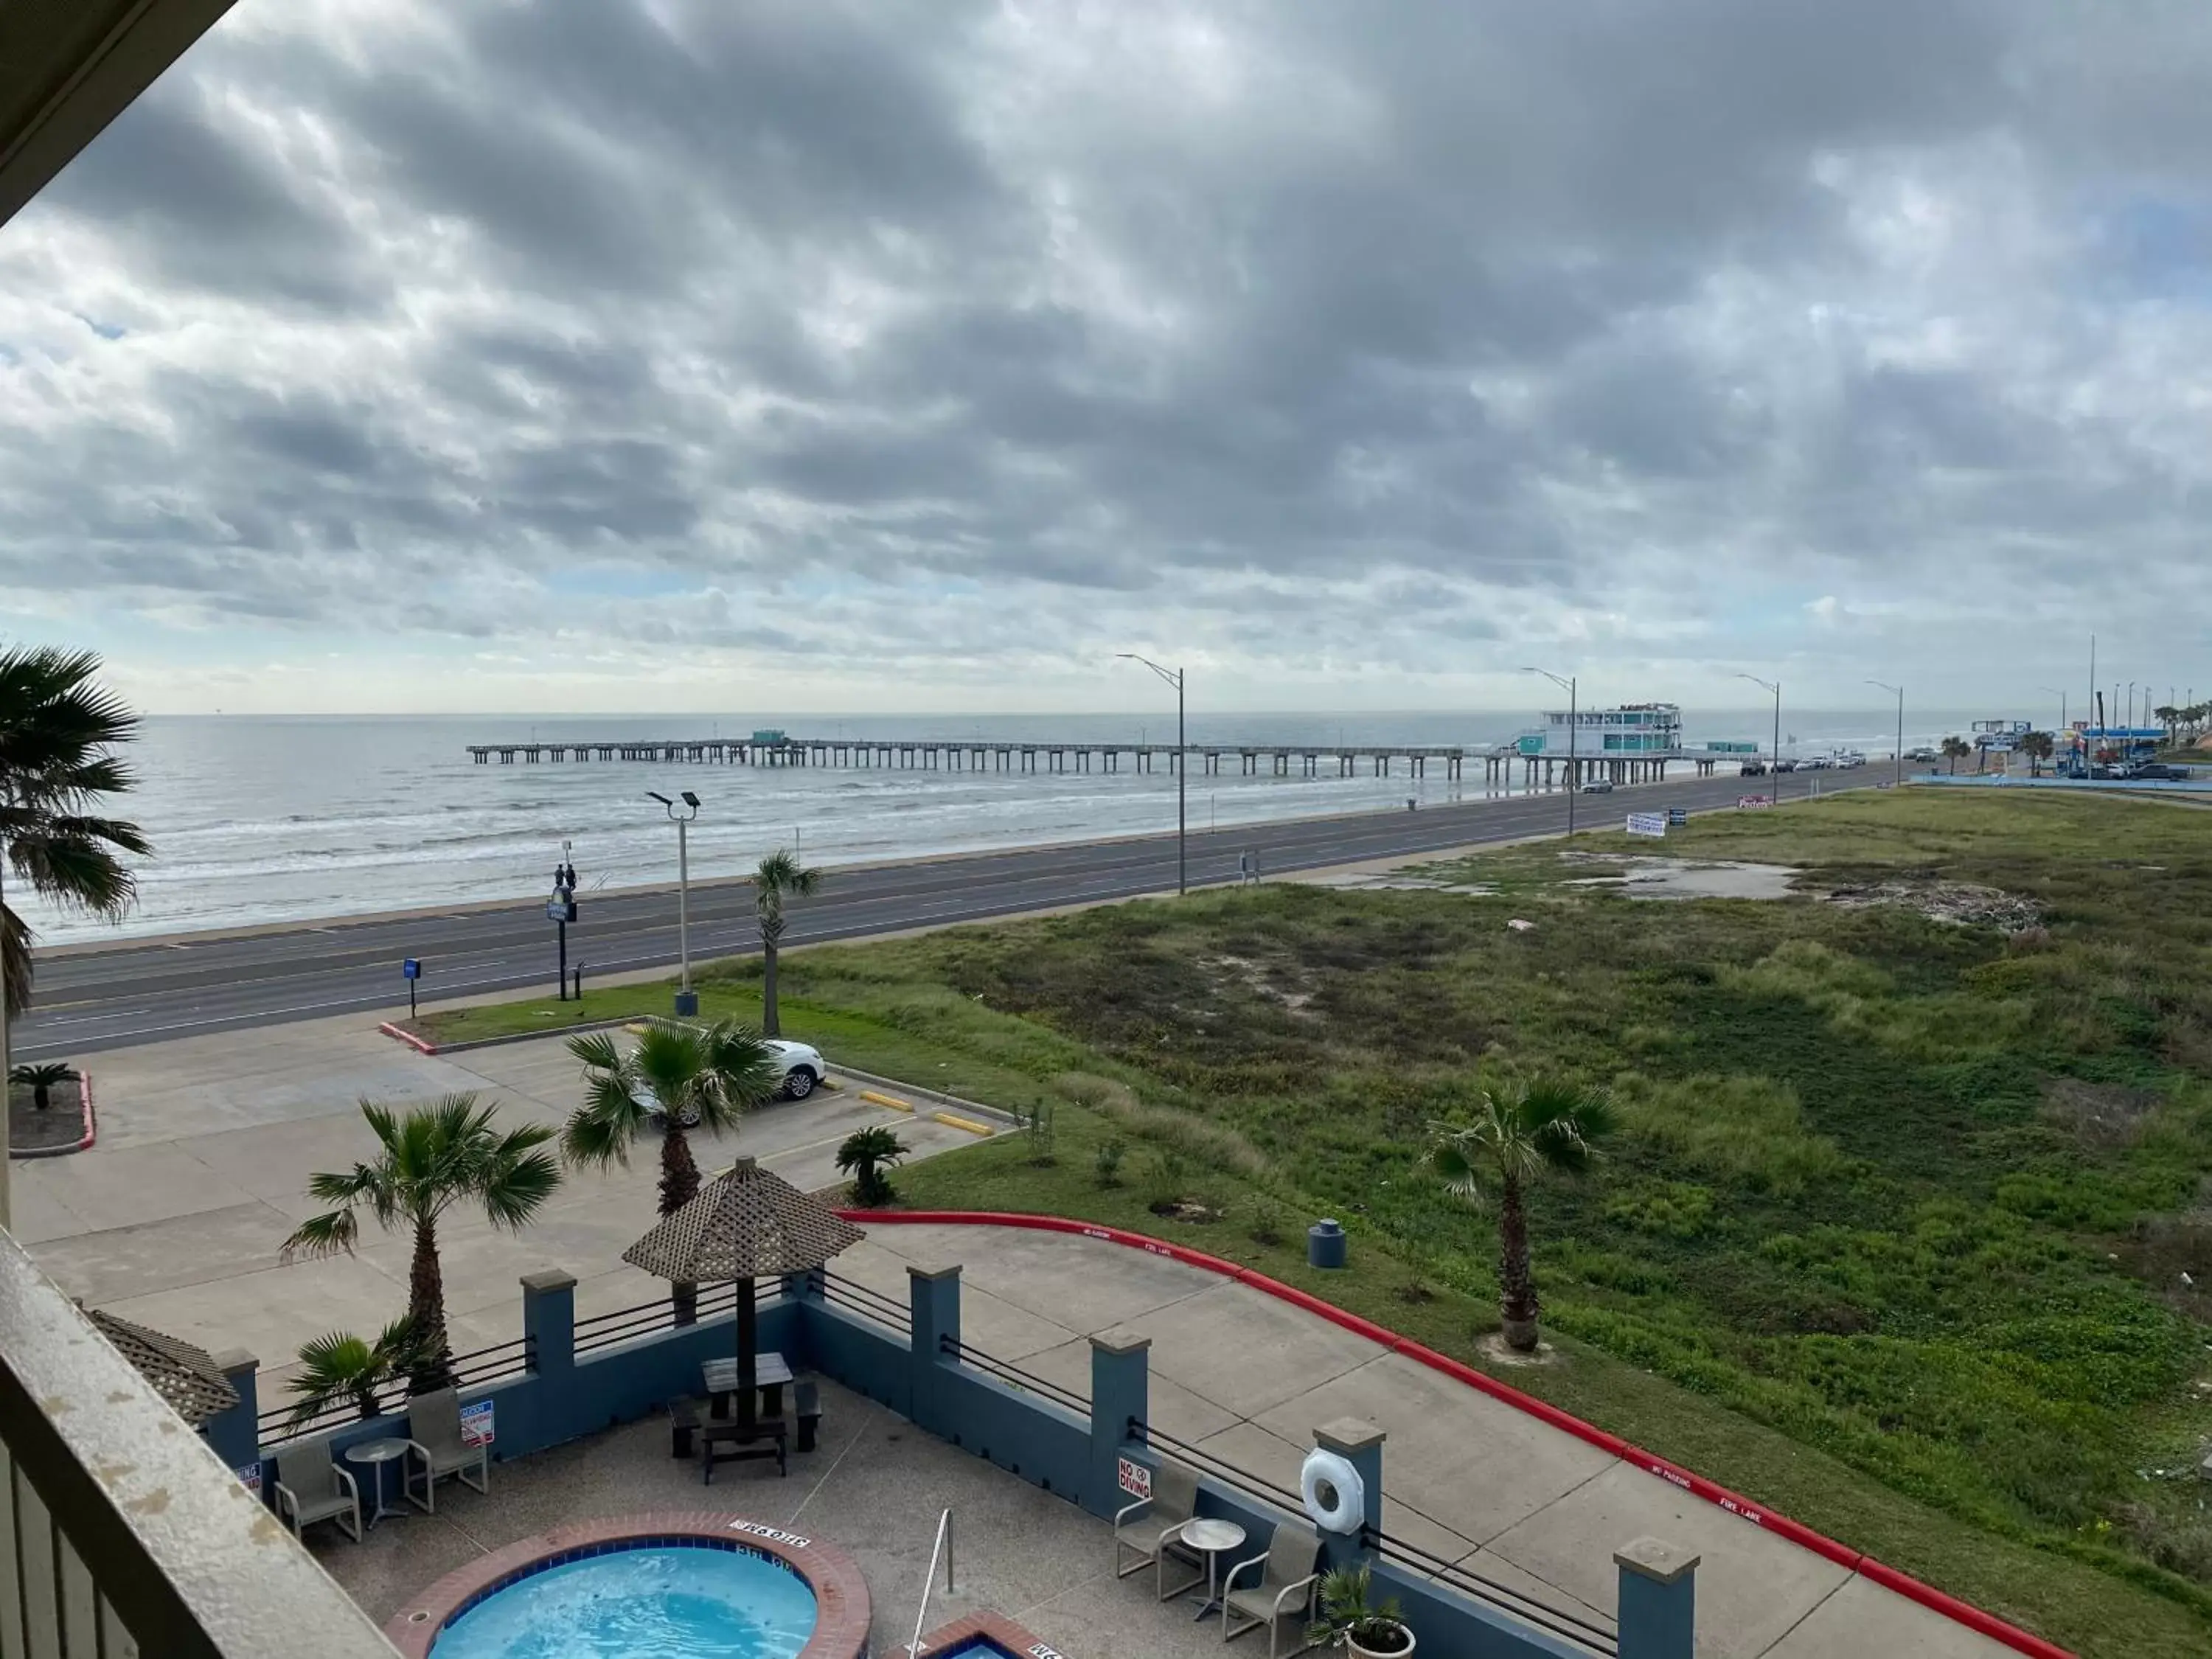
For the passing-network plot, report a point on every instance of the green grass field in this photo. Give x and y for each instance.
(1894, 1238)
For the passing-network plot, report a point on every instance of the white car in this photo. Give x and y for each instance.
(803, 1068)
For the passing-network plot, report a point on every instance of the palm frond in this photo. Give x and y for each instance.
(515, 1189)
(328, 1234)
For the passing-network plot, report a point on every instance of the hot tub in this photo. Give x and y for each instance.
(646, 1587)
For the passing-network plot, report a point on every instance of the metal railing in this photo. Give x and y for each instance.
(621, 1325)
(856, 1297)
(1585, 1628)
(120, 1531)
(279, 1424)
(1594, 1632)
(944, 1546)
(1229, 1474)
(1015, 1377)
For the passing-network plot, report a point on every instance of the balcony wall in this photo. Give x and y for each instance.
(122, 1532)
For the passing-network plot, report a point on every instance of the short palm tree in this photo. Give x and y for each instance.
(342, 1366)
(58, 733)
(864, 1155)
(781, 876)
(428, 1161)
(2040, 746)
(1956, 749)
(40, 1080)
(685, 1076)
(1520, 1131)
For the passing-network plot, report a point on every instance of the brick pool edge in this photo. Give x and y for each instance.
(995, 1628)
(841, 1613)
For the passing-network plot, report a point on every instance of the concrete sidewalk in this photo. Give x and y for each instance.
(1246, 1378)
(174, 1217)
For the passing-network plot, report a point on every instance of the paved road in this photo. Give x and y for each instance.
(143, 993)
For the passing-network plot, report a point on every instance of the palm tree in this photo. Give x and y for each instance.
(40, 1080)
(2040, 747)
(780, 875)
(426, 1162)
(344, 1366)
(1956, 749)
(864, 1155)
(1520, 1132)
(57, 729)
(684, 1076)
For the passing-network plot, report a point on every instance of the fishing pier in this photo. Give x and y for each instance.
(995, 755)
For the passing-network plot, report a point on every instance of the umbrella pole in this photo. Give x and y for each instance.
(748, 1348)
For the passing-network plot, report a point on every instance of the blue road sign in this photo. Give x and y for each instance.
(410, 968)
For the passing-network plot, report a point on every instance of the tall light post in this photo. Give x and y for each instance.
(1775, 686)
(1574, 731)
(1899, 690)
(1175, 676)
(2063, 734)
(687, 1000)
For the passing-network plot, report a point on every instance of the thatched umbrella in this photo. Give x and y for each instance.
(745, 1223)
(185, 1376)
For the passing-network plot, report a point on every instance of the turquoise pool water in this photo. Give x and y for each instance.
(661, 1602)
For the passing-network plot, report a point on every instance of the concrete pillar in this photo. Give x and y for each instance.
(934, 1307)
(1658, 1599)
(1121, 1390)
(236, 1434)
(549, 1323)
(1360, 1443)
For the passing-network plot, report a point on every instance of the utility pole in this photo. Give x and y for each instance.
(1574, 731)
(1175, 676)
(1775, 686)
(687, 1000)
(1899, 690)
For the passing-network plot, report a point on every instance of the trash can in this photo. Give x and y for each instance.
(687, 1005)
(1325, 1245)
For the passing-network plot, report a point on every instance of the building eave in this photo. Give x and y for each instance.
(69, 67)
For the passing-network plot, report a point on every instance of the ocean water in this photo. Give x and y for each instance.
(256, 820)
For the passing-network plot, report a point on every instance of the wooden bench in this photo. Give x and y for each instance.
(806, 1403)
(683, 1426)
(721, 1442)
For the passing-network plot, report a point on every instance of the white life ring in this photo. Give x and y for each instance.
(1335, 1497)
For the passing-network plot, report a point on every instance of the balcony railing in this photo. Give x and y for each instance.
(121, 1533)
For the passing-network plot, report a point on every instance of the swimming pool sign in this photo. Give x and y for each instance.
(476, 1424)
(1136, 1479)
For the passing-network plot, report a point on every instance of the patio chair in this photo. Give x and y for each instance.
(1152, 1528)
(1284, 1589)
(311, 1487)
(433, 1440)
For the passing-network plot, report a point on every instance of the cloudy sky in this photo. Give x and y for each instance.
(922, 354)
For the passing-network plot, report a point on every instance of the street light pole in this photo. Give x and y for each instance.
(1175, 676)
(687, 1000)
(1574, 733)
(1899, 690)
(1775, 686)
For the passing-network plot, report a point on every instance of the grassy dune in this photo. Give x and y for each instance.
(1894, 1239)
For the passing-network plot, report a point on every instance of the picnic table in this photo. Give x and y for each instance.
(770, 1373)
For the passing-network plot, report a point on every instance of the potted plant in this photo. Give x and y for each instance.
(1349, 1621)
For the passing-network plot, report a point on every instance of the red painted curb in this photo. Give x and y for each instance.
(409, 1038)
(1927, 1595)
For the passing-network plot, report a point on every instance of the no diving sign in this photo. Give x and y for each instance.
(1648, 824)
(1136, 1479)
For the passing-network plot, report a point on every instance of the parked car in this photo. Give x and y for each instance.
(2159, 771)
(1922, 753)
(1785, 764)
(1753, 769)
(1598, 786)
(803, 1068)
